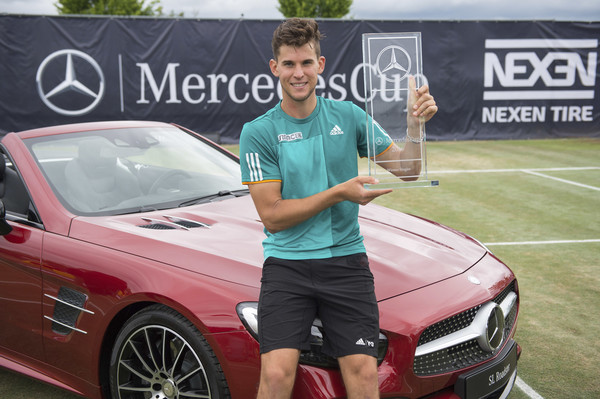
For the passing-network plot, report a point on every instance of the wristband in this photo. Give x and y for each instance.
(414, 141)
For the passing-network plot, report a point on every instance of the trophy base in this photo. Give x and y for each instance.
(401, 184)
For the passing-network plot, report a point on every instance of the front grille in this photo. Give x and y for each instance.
(464, 354)
(501, 296)
(448, 326)
(448, 360)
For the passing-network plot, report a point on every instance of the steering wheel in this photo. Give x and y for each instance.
(164, 180)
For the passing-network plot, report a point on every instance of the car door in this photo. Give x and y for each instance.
(20, 275)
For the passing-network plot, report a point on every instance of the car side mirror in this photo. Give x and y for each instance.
(5, 228)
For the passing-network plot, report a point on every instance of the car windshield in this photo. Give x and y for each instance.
(117, 171)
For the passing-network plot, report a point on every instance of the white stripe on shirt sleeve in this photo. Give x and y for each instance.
(260, 176)
(253, 162)
(249, 166)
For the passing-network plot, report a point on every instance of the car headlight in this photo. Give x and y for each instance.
(248, 314)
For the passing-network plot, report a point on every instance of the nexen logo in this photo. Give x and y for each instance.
(525, 68)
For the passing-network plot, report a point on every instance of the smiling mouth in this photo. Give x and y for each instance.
(298, 85)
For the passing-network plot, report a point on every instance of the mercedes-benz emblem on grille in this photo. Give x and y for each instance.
(393, 63)
(493, 334)
(70, 82)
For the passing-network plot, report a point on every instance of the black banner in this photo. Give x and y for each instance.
(491, 80)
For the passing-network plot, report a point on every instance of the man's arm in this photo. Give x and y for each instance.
(406, 162)
(278, 214)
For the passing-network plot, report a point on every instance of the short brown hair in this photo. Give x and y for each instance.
(296, 32)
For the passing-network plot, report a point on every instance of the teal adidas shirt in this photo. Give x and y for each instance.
(309, 156)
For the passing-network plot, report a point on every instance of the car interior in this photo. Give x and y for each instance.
(96, 179)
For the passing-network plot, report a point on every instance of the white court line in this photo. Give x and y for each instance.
(560, 180)
(527, 389)
(534, 171)
(543, 242)
(512, 170)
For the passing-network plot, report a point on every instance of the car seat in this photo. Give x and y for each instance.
(96, 179)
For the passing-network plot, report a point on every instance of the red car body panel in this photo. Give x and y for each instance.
(420, 270)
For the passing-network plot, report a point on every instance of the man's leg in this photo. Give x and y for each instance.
(278, 373)
(360, 376)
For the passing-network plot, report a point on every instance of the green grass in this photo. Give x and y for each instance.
(560, 283)
(15, 386)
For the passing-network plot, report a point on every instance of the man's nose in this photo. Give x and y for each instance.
(298, 71)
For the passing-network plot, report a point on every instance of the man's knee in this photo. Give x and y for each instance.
(278, 372)
(359, 368)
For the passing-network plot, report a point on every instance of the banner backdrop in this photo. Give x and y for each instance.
(491, 80)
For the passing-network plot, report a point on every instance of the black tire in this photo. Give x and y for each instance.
(159, 354)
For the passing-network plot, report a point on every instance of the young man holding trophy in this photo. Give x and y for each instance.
(299, 161)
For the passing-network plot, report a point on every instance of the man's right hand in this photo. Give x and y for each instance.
(355, 191)
(278, 214)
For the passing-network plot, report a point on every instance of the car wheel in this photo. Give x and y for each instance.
(159, 354)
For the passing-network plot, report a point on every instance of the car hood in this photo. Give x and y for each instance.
(405, 252)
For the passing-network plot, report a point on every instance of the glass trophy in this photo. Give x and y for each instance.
(393, 66)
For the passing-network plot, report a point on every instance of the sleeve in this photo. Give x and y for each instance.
(372, 139)
(258, 158)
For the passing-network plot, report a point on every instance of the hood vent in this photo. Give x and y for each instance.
(173, 223)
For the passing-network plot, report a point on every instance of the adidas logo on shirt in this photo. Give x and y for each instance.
(336, 130)
(365, 342)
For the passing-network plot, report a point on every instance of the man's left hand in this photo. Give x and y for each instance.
(420, 101)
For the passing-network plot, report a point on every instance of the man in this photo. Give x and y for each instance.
(303, 181)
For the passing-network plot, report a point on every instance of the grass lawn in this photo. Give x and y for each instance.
(536, 204)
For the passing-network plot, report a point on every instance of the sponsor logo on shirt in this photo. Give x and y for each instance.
(365, 342)
(290, 137)
(336, 130)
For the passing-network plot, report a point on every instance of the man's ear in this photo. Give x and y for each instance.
(321, 64)
(273, 66)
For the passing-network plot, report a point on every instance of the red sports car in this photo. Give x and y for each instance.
(130, 264)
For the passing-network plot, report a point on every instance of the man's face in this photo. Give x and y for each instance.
(297, 69)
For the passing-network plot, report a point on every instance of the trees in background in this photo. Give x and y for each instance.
(109, 7)
(289, 8)
(314, 8)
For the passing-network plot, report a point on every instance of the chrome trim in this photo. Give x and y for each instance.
(158, 221)
(177, 218)
(478, 329)
(494, 330)
(65, 325)
(508, 303)
(69, 304)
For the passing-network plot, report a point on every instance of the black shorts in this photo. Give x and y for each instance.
(338, 290)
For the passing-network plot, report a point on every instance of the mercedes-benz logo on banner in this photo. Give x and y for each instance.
(70, 82)
(393, 61)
